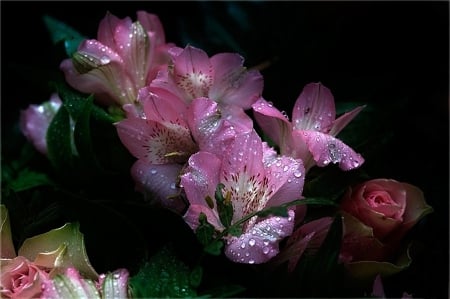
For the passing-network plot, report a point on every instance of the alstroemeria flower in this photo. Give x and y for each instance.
(34, 121)
(161, 135)
(311, 134)
(252, 183)
(125, 57)
(221, 78)
(161, 141)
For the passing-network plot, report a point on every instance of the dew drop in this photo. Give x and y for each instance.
(297, 174)
(252, 242)
(243, 245)
(266, 242)
(251, 261)
(105, 59)
(153, 171)
(266, 250)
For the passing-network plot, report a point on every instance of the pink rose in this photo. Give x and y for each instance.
(21, 278)
(387, 206)
(376, 216)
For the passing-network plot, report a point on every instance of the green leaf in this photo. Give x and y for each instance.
(214, 247)
(163, 276)
(224, 206)
(83, 139)
(28, 179)
(59, 140)
(205, 231)
(75, 103)
(60, 32)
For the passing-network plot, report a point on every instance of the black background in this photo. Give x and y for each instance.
(380, 53)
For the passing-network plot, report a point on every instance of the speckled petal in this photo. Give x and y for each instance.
(155, 142)
(261, 242)
(314, 109)
(193, 72)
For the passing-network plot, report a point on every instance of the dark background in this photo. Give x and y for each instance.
(393, 56)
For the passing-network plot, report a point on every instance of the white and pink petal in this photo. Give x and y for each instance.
(327, 149)
(260, 243)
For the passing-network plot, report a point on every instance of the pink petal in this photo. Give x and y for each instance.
(342, 121)
(159, 182)
(378, 290)
(209, 128)
(272, 121)
(327, 149)
(111, 30)
(155, 142)
(244, 156)
(314, 109)
(152, 23)
(260, 243)
(193, 72)
(162, 106)
(34, 121)
(234, 84)
(201, 177)
(194, 211)
(287, 176)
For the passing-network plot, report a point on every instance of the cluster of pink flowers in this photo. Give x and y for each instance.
(187, 119)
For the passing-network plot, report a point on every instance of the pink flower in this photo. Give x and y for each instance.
(252, 180)
(125, 57)
(376, 216)
(21, 278)
(221, 78)
(311, 134)
(389, 207)
(159, 137)
(34, 122)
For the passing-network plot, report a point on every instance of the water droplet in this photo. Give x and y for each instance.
(243, 245)
(286, 168)
(251, 261)
(173, 186)
(266, 250)
(277, 219)
(252, 242)
(153, 171)
(297, 174)
(266, 242)
(105, 59)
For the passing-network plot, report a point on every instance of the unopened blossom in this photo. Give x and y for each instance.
(71, 284)
(124, 58)
(34, 121)
(310, 135)
(252, 181)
